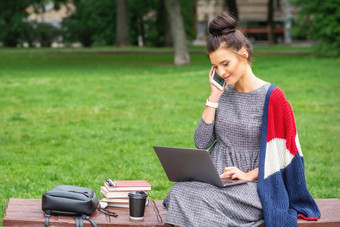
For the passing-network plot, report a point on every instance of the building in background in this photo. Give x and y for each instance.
(253, 17)
(47, 13)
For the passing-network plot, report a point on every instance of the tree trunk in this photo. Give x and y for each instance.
(141, 33)
(122, 24)
(288, 23)
(271, 23)
(232, 7)
(178, 33)
(166, 22)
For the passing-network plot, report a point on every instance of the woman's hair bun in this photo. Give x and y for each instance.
(222, 25)
(224, 34)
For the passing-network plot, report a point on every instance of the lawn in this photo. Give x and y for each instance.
(78, 119)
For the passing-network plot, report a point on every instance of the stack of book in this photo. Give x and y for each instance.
(115, 193)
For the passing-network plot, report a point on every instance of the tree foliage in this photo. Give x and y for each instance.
(14, 27)
(38, 32)
(147, 20)
(12, 14)
(95, 22)
(321, 21)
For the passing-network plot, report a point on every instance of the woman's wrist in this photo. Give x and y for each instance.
(253, 175)
(214, 98)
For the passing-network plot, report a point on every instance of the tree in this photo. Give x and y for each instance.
(232, 7)
(12, 15)
(150, 23)
(13, 26)
(164, 20)
(146, 28)
(167, 29)
(46, 33)
(271, 22)
(288, 23)
(178, 32)
(93, 22)
(320, 20)
(122, 24)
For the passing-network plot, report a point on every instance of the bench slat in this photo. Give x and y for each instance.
(330, 214)
(27, 212)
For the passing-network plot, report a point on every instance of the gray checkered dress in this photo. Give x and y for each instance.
(236, 130)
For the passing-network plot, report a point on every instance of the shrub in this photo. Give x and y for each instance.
(320, 20)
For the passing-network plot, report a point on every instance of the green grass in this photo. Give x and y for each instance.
(283, 47)
(81, 118)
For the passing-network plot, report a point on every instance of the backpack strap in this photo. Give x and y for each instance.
(79, 221)
(47, 217)
(90, 220)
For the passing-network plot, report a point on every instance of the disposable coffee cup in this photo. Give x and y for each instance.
(137, 201)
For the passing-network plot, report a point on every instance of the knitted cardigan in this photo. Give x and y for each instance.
(281, 180)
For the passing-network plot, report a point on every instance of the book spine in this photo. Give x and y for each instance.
(126, 188)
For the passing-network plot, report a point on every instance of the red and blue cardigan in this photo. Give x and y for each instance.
(281, 180)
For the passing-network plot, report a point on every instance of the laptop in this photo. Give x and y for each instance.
(183, 164)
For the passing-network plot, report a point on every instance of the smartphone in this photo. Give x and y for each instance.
(217, 80)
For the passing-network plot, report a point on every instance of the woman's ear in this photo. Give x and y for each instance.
(244, 53)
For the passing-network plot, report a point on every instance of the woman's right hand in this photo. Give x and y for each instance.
(215, 93)
(209, 112)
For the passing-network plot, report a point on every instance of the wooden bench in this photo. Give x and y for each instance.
(27, 212)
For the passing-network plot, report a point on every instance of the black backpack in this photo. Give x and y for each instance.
(75, 201)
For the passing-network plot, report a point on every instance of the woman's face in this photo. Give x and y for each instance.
(228, 64)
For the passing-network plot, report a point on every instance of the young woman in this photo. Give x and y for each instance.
(245, 143)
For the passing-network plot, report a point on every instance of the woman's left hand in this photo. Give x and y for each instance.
(236, 173)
